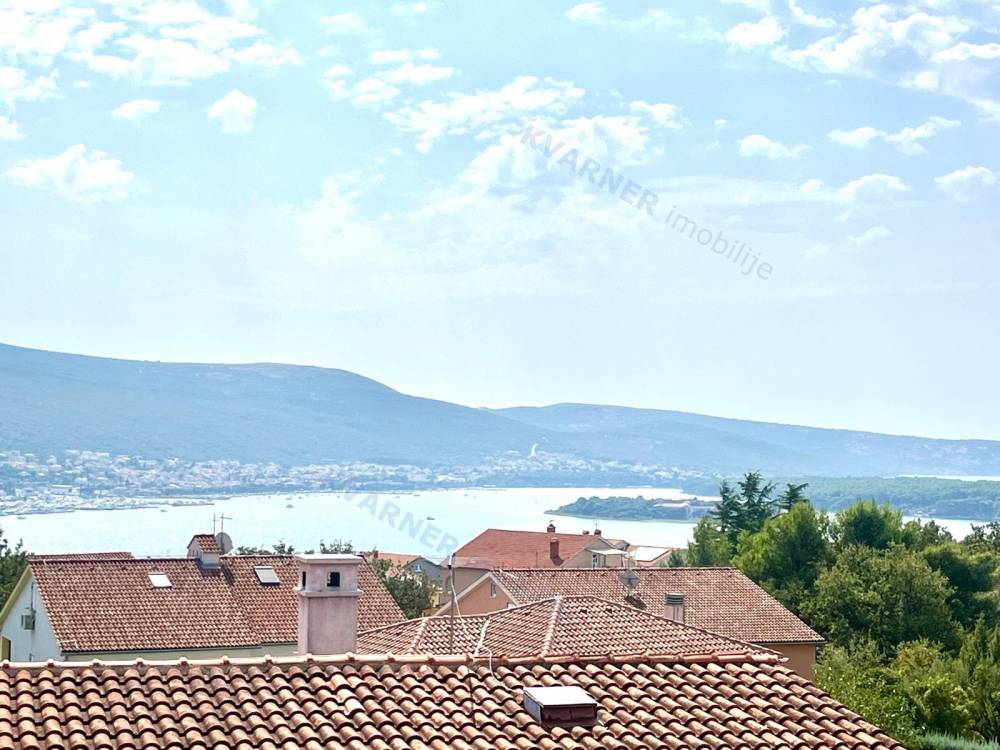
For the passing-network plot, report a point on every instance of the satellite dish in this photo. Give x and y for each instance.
(225, 542)
(630, 579)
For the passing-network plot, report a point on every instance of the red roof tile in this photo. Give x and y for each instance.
(722, 600)
(448, 703)
(503, 548)
(578, 625)
(207, 543)
(109, 604)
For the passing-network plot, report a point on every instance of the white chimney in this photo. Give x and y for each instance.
(206, 550)
(328, 603)
(674, 609)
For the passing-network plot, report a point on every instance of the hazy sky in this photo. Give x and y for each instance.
(346, 185)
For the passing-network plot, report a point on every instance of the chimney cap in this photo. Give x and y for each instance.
(319, 557)
(551, 528)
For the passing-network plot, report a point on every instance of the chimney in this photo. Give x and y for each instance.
(328, 603)
(674, 609)
(597, 532)
(551, 528)
(554, 548)
(205, 549)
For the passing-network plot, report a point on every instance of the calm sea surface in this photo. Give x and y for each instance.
(423, 522)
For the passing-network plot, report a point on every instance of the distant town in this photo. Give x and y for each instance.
(91, 480)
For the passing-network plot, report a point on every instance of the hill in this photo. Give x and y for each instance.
(290, 415)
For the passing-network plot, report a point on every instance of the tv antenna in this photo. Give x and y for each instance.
(221, 521)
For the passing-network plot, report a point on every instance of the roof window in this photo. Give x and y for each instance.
(266, 575)
(160, 581)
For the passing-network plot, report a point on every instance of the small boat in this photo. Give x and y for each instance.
(289, 505)
(163, 510)
(431, 518)
(21, 518)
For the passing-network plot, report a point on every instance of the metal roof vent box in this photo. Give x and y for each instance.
(561, 705)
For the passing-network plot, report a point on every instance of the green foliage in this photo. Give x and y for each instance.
(745, 507)
(13, 561)
(709, 546)
(984, 538)
(788, 554)
(869, 524)
(856, 677)
(792, 494)
(936, 741)
(413, 592)
(890, 596)
(971, 576)
(980, 664)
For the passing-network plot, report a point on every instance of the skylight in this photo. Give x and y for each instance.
(160, 581)
(266, 575)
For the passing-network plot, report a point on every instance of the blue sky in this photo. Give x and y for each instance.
(347, 185)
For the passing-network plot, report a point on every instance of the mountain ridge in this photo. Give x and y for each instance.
(298, 414)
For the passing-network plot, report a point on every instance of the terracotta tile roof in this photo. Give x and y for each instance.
(578, 625)
(420, 702)
(84, 556)
(503, 548)
(109, 604)
(722, 600)
(398, 559)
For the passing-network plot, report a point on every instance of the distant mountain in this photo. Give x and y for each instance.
(290, 415)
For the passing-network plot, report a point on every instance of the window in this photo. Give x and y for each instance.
(5, 649)
(333, 581)
(493, 590)
(303, 586)
(417, 568)
(596, 560)
(266, 575)
(160, 581)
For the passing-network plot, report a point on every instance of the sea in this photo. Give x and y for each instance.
(429, 523)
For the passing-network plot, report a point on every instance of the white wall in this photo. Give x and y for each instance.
(30, 645)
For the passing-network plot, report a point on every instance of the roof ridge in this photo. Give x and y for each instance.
(389, 659)
(418, 636)
(550, 632)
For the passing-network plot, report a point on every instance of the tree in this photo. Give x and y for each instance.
(972, 577)
(980, 662)
(869, 524)
(414, 592)
(889, 596)
(788, 554)
(13, 561)
(984, 538)
(743, 508)
(709, 547)
(791, 495)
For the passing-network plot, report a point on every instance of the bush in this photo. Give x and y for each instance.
(946, 742)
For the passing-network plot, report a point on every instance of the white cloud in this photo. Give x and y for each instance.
(870, 236)
(751, 34)
(597, 14)
(262, 54)
(78, 174)
(235, 112)
(761, 145)
(15, 85)
(872, 188)
(907, 140)
(137, 109)
(161, 62)
(807, 19)
(965, 184)
(761, 6)
(9, 131)
(344, 23)
(396, 56)
(484, 111)
(665, 115)
(417, 75)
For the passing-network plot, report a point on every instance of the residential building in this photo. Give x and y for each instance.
(704, 692)
(433, 569)
(722, 600)
(505, 548)
(116, 606)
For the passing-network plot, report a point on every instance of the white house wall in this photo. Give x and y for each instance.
(30, 645)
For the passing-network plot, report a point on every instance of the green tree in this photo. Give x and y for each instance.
(869, 524)
(709, 546)
(791, 495)
(980, 663)
(889, 596)
(972, 576)
(984, 538)
(788, 554)
(415, 593)
(745, 507)
(13, 561)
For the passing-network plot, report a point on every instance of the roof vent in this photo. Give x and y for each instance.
(562, 705)
(674, 606)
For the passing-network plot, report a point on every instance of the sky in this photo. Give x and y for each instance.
(783, 210)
